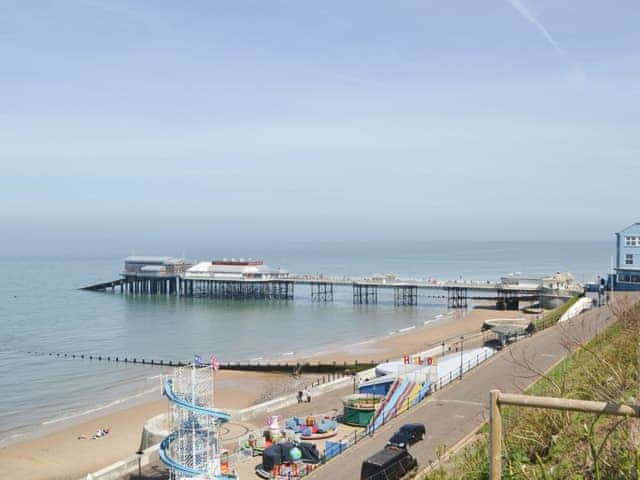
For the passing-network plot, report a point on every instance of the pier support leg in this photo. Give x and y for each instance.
(457, 297)
(367, 294)
(405, 295)
(322, 292)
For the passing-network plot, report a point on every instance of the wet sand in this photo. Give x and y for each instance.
(61, 455)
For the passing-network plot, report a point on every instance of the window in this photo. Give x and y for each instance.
(632, 241)
(628, 259)
(635, 278)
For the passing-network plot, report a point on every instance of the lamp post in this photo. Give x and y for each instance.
(139, 453)
(461, 353)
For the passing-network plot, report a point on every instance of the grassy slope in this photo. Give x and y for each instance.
(548, 444)
(552, 317)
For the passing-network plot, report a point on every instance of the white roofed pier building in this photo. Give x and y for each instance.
(237, 279)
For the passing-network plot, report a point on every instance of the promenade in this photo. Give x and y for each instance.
(455, 412)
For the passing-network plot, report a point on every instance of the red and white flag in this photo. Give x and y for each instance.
(214, 363)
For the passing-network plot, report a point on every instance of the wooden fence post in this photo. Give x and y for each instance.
(495, 446)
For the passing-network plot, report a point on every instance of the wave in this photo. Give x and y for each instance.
(365, 342)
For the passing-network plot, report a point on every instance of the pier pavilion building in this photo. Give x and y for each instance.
(138, 265)
(234, 270)
(237, 278)
(151, 275)
(627, 269)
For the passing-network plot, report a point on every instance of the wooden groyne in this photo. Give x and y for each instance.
(301, 367)
(110, 358)
(268, 367)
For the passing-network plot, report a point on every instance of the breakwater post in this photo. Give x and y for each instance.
(276, 367)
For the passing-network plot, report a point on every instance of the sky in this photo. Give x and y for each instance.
(143, 122)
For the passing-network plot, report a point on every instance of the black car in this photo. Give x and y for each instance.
(390, 463)
(408, 435)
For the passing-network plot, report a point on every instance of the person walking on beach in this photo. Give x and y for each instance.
(299, 396)
(308, 395)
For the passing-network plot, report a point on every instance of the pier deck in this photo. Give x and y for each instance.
(365, 290)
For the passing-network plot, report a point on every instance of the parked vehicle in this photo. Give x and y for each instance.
(391, 463)
(407, 435)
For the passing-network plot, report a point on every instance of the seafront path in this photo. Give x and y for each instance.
(454, 413)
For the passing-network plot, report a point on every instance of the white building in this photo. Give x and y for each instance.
(154, 266)
(234, 270)
(519, 281)
(627, 276)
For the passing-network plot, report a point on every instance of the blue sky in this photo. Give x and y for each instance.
(497, 119)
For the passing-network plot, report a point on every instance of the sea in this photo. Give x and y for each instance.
(42, 310)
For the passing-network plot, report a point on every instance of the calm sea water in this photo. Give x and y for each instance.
(42, 310)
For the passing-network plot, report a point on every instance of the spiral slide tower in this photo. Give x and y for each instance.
(192, 449)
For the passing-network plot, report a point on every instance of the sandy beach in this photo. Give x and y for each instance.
(447, 328)
(61, 455)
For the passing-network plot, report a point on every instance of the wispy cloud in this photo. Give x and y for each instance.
(525, 10)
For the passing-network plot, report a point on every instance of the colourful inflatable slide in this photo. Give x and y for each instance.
(413, 397)
(398, 394)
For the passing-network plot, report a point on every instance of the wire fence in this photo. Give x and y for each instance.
(464, 367)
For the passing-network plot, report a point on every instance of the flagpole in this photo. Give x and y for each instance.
(193, 427)
(213, 364)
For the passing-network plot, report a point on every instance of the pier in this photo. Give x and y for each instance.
(240, 279)
(404, 293)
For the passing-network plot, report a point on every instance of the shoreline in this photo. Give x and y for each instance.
(62, 454)
(332, 349)
(335, 349)
(55, 454)
(446, 327)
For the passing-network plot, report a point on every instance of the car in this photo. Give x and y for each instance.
(390, 463)
(407, 435)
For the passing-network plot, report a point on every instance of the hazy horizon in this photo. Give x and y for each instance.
(152, 126)
(277, 252)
